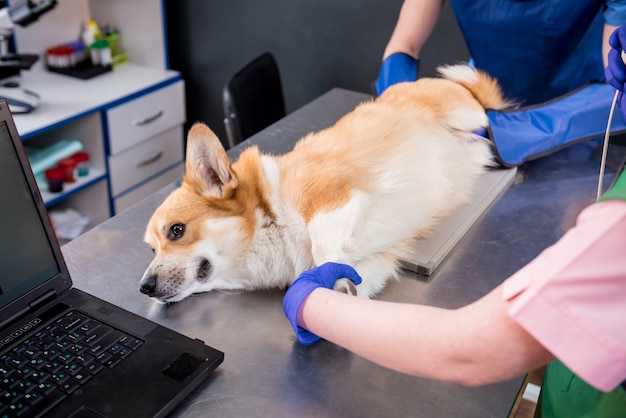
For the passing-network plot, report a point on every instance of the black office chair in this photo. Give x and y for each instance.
(253, 99)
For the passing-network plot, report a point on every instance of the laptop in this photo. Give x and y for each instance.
(63, 352)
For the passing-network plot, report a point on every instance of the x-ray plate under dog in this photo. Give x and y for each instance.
(428, 253)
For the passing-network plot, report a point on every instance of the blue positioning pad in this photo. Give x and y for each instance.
(531, 132)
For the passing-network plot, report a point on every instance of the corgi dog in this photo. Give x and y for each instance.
(356, 193)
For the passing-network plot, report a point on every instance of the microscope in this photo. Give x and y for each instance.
(20, 100)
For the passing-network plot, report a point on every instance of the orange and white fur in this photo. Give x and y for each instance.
(358, 193)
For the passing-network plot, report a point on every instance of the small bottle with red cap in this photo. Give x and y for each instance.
(68, 165)
(55, 177)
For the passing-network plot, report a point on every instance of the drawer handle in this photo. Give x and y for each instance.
(150, 160)
(148, 119)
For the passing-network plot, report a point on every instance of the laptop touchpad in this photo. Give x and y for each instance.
(85, 412)
(182, 367)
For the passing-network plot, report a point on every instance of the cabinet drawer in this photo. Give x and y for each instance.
(145, 159)
(133, 122)
(127, 200)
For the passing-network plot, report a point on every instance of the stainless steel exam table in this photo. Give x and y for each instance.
(266, 373)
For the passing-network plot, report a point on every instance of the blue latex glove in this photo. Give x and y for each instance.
(396, 68)
(615, 72)
(323, 276)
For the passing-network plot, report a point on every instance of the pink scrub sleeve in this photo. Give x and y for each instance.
(572, 297)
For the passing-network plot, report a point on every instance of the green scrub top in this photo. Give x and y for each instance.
(565, 395)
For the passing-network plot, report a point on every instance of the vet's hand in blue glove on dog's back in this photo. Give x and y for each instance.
(323, 276)
(396, 68)
(616, 70)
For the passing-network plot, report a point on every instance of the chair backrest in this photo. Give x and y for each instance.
(253, 99)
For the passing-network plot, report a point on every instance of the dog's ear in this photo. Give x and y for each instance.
(207, 168)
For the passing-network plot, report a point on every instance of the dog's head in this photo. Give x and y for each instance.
(200, 231)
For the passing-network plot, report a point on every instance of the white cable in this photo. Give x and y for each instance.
(605, 147)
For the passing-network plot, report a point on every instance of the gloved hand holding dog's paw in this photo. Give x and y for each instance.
(396, 68)
(615, 72)
(323, 276)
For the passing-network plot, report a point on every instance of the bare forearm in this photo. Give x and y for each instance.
(473, 345)
(415, 24)
(608, 30)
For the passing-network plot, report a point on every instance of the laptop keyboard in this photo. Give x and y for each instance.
(48, 364)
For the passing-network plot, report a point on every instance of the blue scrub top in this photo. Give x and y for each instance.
(537, 49)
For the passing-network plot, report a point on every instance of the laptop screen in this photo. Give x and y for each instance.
(26, 256)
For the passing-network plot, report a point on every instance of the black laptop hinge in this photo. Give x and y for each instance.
(42, 300)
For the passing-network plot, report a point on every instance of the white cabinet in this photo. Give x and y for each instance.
(130, 120)
(145, 142)
(133, 122)
(145, 160)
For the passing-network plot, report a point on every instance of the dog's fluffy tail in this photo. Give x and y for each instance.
(483, 87)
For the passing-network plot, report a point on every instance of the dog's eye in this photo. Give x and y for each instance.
(176, 232)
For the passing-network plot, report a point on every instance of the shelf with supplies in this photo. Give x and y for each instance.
(129, 115)
(69, 189)
(129, 120)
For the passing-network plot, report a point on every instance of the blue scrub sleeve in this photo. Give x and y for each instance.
(615, 12)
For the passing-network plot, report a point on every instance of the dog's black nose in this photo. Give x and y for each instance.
(148, 285)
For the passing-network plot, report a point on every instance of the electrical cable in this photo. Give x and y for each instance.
(605, 146)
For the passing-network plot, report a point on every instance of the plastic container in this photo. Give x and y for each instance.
(82, 163)
(79, 51)
(55, 177)
(101, 53)
(60, 56)
(68, 165)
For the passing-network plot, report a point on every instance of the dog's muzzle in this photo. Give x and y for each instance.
(147, 286)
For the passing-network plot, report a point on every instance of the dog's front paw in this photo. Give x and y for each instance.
(345, 286)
